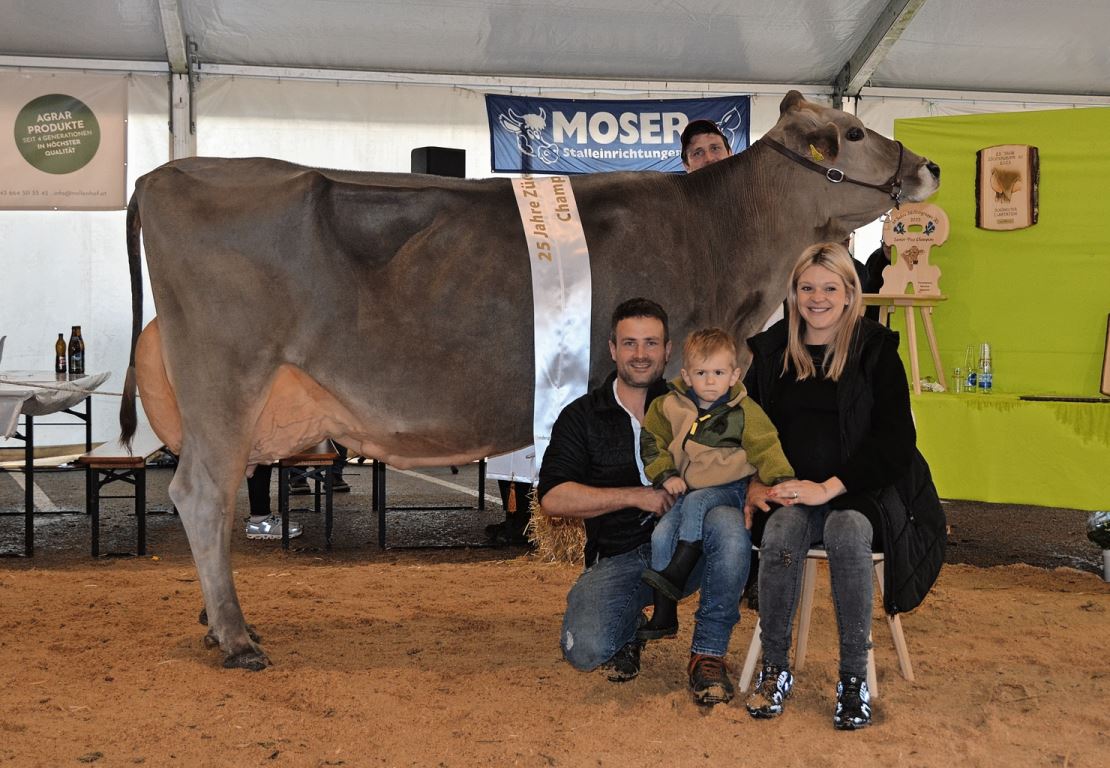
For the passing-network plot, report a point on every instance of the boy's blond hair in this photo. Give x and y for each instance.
(699, 345)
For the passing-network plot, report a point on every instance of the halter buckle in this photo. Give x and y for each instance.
(835, 175)
(896, 194)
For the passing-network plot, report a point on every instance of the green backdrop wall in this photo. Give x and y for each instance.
(1040, 296)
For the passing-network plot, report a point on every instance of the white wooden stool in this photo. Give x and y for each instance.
(805, 611)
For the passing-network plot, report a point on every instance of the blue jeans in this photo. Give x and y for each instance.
(604, 606)
(686, 519)
(789, 534)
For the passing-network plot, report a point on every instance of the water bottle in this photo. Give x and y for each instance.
(971, 365)
(986, 370)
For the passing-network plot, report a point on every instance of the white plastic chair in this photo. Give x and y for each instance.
(805, 611)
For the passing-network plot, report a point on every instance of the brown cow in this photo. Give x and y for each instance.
(296, 303)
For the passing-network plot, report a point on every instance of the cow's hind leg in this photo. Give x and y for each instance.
(203, 490)
(210, 639)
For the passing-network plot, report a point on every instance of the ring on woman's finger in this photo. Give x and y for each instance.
(795, 494)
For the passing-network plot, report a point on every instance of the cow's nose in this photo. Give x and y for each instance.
(933, 169)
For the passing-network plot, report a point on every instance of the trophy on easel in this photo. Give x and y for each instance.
(910, 281)
(911, 231)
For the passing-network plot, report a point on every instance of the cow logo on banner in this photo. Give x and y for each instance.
(533, 135)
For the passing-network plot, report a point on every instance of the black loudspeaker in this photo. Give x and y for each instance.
(439, 161)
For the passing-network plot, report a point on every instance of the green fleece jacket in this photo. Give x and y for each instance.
(733, 441)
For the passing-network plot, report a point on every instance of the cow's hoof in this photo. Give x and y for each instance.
(255, 661)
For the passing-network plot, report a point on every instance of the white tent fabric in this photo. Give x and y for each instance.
(1021, 46)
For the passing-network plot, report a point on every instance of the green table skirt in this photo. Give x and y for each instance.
(999, 448)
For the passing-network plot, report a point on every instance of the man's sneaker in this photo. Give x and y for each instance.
(771, 691)
(709, 680)
(339, 485)
(853, 704)
(270, 528)
(625, 664)
(299, 487)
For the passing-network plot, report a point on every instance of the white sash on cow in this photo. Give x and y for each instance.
(561, 295)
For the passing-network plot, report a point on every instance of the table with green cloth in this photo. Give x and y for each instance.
(1001, 448)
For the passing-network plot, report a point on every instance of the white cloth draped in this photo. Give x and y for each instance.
(37, 393)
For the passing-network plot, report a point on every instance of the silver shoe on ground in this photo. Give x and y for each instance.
(270, 528)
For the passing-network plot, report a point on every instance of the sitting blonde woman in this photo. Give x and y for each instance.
(833, 385)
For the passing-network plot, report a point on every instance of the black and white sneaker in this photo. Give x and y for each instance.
(625, 664)
(853, 704)
(771, 691)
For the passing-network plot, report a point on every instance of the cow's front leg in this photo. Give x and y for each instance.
(203, 490)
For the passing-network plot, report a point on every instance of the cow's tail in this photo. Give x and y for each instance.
(128, 419)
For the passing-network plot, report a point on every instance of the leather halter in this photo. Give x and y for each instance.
(892, 186)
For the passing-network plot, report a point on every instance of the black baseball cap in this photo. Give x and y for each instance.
(698, 127)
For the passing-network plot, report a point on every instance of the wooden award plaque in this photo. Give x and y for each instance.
(1007, 178)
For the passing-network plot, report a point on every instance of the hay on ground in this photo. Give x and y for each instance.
(557, 539)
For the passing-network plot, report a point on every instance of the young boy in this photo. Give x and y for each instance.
(701, 442)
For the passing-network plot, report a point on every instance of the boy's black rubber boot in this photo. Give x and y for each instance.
(672, 579)
(664, 620)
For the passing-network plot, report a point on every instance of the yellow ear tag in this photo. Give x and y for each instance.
(815, 154)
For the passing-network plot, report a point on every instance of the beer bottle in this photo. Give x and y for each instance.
(76, 353)
(60, 354)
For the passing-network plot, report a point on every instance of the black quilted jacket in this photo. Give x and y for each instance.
(906, 504)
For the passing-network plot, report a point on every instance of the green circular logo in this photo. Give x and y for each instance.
(57, 133)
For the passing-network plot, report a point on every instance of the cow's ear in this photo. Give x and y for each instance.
(791, 101)
(824, 143)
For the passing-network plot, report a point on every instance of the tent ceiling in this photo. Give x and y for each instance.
(1017, 46)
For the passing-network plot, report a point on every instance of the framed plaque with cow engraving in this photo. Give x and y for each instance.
(1007, 181)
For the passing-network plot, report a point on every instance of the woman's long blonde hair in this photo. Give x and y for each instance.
(835, 258)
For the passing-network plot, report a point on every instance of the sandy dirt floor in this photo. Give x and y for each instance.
(449, 656)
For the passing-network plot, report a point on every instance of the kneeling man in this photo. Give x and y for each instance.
(592, 470)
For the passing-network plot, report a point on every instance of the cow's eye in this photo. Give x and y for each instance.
(855, 134)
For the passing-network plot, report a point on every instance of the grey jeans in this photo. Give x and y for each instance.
(847, 535)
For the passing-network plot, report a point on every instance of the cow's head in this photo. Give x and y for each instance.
(844, 148)
(1005, 183)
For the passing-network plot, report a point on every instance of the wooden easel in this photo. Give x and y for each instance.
(911, 231)
(909, 303)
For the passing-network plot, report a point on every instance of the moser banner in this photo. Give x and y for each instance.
(63, 141)
(534, 135)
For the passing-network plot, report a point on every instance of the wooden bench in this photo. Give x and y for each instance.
(112, 462)
(316, 465)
